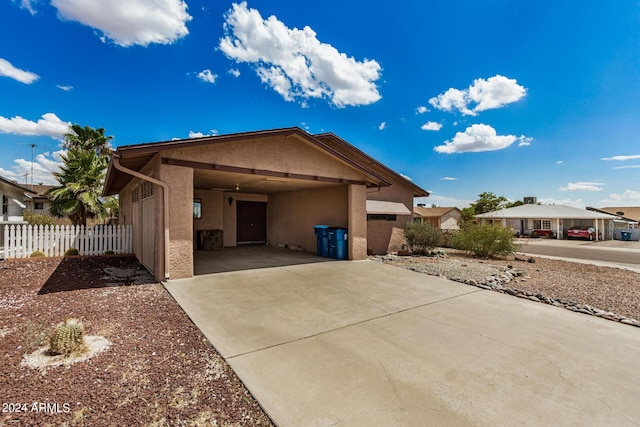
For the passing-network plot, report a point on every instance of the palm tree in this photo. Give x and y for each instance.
(88, 138)
(81, 176)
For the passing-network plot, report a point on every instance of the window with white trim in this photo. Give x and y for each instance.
(542, 224)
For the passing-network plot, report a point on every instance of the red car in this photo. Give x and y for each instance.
(581, 232)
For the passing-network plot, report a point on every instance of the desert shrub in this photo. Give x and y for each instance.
(38, 219)
(109, 252)
(67, 338)
(37, 254)
(422, 237)
(71, 251)
(486, 240)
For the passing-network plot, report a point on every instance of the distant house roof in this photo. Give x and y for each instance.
(545, 212)
(40, 189)
(437, 212)
(15, 184)
(627, 212)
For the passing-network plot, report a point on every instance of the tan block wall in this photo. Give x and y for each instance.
(230, 217)
(291, 216)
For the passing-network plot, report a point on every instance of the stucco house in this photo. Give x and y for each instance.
(557, 219)
(36, 201)
(444, 218)
(269, 187)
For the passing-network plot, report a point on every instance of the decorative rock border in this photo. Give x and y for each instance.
(499, 282)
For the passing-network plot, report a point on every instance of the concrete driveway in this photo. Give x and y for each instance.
(360, 343)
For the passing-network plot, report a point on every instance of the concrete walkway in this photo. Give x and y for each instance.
(360, 343)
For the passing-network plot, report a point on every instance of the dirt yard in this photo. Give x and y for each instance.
(158, 369)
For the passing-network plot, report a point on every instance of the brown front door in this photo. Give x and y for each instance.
(252, 222)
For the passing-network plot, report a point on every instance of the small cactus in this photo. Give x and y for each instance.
(67, 338)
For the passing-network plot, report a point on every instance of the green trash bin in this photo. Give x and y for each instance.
(626, 235)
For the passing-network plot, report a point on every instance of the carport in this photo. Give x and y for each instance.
(266, 187)
(526, 219)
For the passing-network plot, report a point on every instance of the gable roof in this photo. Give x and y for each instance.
(135, 157)
(545, 212)
(436, 212)
(340, 144)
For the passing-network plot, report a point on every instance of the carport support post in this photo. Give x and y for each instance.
(357, 233)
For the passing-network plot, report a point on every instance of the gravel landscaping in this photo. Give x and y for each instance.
(155, 367)
(611, 293)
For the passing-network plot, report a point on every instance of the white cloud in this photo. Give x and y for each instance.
(7, 69)
(130, 22)
(28, 5)
(559, 162)
(48, 125)
(525, 141)
(43, 166)
(495, 92)
(479, 137)
(577, 203)
(234, 72)
(628, 167)
(64, 88)
(431, 126)
(193, 134)
(422, 109)
(406, 177)
(295, 63)
(448, 178)
(435, 199)
(207, 76)
(583, 186)
(382, 125)
(628, 198)
(622, 158)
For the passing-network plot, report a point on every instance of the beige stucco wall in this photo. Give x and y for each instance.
(449, 221)
(229, 214)
(388, 236)
(357, 234)
(180, 181)
(212, 208)
(291, 216)
(275, 154)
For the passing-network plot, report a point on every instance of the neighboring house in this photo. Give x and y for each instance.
(11, 195)
(442, 218)
(268, 186)
(37, 202)
(628, 216)
(557, 219)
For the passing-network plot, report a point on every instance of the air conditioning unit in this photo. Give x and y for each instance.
(530, 200)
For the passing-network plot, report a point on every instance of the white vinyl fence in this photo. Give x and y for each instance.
(20, 241)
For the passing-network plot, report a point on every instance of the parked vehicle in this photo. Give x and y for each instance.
(581, 232)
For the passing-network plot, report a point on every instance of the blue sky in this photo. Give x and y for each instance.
(517, 98)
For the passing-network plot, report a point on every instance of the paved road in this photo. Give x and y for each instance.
(628, 256)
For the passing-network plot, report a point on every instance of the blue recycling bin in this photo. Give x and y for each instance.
(337, 242)
(322, 239)
(626, 235)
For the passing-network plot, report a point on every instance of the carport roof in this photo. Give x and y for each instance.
(545, 212)
(135, 157)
